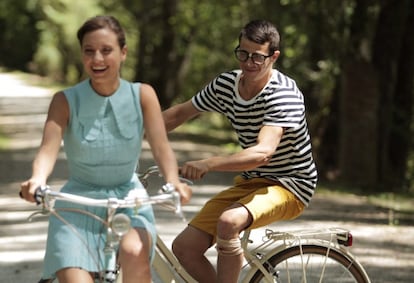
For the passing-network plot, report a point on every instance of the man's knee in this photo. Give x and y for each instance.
(178, 247)
(231, 247)
(232, 221)
(191, 242)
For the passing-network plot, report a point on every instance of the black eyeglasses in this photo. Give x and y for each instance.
(243, 56)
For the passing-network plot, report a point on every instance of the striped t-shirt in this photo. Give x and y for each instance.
(280, 103)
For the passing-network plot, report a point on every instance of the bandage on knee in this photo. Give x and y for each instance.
(230, 247)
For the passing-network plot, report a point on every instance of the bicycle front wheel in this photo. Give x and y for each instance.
(311, 264)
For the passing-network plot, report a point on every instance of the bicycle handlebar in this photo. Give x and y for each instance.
(152, 170)
(43, 195)
(167, 195)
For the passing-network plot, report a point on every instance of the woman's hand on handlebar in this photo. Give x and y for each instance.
(185, 192)
(28, 188)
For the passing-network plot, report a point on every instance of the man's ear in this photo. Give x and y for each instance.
(275, 56)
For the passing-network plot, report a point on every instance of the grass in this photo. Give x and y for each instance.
(395, 201)
(4, 140)
(400, 206)
(398, 201)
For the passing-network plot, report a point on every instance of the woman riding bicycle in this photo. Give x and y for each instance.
(102, 121)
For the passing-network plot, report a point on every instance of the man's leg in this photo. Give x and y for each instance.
(230, 252)
(189, 247)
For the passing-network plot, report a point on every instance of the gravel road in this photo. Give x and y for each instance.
(386, 251)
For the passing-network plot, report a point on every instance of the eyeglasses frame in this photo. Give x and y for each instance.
(250, 55)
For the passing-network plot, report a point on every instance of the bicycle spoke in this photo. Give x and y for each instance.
(311, 264)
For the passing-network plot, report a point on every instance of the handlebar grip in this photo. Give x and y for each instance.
(39, 194)
(169, 188)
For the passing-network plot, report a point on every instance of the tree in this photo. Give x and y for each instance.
(393, 59)
(352, 59)
(18, 33)
(58, 54)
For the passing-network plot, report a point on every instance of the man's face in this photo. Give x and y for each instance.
(259, 62)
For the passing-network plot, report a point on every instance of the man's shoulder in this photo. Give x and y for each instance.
(229, 75)
(282, 79)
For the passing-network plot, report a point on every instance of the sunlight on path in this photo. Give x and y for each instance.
(12, 86)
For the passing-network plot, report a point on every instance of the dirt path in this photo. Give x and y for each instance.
(386, 251)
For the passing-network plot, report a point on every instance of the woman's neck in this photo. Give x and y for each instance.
(106, 88)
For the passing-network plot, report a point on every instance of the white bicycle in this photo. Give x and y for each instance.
(305, 256)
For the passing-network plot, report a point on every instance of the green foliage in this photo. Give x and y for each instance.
(180, 45)
(4, 141)
(18, 33)
(216, 26)
(410, 174)
(58, 53)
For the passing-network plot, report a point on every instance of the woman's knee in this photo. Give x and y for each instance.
(135, 246)
(72, 274)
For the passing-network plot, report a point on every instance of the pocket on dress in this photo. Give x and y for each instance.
(91, 130)
(128, 126)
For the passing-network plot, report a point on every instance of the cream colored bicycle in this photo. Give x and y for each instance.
(301, 256)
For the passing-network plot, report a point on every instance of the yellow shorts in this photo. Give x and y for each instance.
(266, 200)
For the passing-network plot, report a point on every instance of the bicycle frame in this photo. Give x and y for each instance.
(170, 270)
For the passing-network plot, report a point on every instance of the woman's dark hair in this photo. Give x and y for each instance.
(100, 22)
(261, 31)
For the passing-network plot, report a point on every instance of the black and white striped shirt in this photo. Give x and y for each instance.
(281, 104)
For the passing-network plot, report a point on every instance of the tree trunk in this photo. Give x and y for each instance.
(161, 62)
(358, 125)
(401, 141)
(387, 57)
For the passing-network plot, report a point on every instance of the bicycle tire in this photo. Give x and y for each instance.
(339, 267)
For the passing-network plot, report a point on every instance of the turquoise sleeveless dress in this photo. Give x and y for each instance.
(102, 144)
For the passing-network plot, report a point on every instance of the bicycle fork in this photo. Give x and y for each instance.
(110, 251)
(111, 271)
(118, 225)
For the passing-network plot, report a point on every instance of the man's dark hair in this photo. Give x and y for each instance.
(261, 31)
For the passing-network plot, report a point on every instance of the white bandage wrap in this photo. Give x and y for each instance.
(230, 247)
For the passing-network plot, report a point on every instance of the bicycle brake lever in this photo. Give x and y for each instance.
(177, 204)
(42, 212)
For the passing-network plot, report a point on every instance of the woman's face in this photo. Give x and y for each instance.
(102, 56)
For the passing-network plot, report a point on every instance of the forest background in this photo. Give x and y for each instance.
(352, 59)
